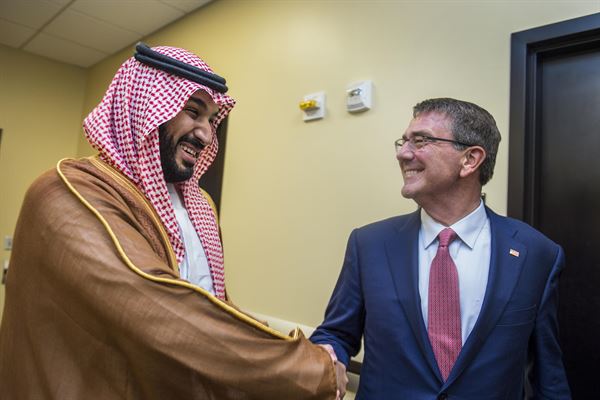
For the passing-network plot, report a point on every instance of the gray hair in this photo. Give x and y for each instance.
(470, 124)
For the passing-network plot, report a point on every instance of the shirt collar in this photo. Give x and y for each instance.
(467, 229)
(175, 199)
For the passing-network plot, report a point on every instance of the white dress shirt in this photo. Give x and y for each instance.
(471, 253)
(194, 267)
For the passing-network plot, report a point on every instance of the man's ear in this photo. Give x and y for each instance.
(472, 160)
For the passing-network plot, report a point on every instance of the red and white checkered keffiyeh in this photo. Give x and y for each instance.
(124, 129)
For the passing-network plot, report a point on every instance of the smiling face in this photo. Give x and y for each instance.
(431, 172)
(183, 137)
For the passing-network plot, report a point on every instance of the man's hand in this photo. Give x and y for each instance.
(340, 372)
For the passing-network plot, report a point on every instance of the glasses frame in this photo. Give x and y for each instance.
(427, 140)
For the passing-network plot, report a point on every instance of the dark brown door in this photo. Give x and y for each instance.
(555, 173)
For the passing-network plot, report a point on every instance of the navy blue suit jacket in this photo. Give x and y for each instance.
(513, 350)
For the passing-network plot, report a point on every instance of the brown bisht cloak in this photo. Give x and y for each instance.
(95, 309)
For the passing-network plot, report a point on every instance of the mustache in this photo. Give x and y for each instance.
(195, 142)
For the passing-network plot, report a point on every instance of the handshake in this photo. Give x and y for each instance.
(340, 372)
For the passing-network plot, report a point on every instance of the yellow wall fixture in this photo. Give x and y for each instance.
(308, 105)
(313, 106)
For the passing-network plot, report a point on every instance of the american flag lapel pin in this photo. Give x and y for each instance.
(513, 253)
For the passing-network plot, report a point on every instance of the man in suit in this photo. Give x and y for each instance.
(453, 300)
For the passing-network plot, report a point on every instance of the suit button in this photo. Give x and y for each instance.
(443, 396)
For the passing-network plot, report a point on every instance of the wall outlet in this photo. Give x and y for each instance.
(7, 242)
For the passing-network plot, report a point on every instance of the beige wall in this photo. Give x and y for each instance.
(294, 190)
(40, 113)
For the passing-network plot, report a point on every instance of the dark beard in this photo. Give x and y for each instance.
(172, 172)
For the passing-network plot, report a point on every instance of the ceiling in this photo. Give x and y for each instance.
(84, 32)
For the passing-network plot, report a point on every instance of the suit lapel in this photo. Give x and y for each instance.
(403, 260)
(506, 261)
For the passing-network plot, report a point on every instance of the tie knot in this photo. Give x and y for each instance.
(446, 237)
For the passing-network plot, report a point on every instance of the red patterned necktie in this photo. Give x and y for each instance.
(444, 306)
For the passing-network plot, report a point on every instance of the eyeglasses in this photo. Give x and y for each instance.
(419, 141)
